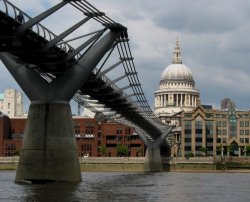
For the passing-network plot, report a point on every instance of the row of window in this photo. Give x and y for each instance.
(244, 132)
(89, 129)
(209, 124)
(244, 123)
(244, 140)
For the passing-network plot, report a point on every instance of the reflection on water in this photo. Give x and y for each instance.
(118, 186)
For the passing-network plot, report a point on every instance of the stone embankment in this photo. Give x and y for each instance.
(136, 164)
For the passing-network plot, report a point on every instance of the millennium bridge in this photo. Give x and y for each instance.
(90, 62)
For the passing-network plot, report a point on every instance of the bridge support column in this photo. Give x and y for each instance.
(49, 150)
(153, 160)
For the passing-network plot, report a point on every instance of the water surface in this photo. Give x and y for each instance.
(131, 186)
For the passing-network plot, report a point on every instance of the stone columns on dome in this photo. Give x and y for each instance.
(181, 100)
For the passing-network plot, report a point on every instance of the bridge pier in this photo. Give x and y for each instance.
(153, 160)
(49, 150)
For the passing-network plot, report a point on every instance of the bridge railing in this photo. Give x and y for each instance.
(107, 80)
(14, 12)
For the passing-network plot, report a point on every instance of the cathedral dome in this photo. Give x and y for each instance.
(176, 91)
(177, 72)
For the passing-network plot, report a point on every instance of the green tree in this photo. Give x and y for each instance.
(248, 150)
(16, 153)
(103, 150)
(203, 150)
(190, 154)
(122, 150)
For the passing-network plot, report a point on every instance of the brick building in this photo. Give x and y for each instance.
(91, 135)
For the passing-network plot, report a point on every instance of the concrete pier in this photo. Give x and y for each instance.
(153, 160)
(49, 150)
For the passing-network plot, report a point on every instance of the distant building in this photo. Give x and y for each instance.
(198, 127)
(91, 137)
(226, 103)
(11, 103)
(221, 132)
(177, 90)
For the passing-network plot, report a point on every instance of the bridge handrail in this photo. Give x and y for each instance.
(39, 28)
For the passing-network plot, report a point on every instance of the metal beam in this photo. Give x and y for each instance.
(28, 80)
(64, 88)
(64, 34)
(84, 45)
(108, 69)
(114, 81)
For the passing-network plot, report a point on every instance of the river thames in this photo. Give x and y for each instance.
(131, 186)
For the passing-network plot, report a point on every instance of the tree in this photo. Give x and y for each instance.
(248, 150)
(122, 150)
(103, 150)
(190, 154)
(203, 150)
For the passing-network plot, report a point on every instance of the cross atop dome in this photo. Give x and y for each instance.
(177, 53)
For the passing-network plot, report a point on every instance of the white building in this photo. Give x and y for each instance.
(11, 103)
(177, 91)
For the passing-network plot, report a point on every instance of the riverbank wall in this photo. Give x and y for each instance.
(136, 164)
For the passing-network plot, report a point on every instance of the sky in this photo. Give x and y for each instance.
(214, 39)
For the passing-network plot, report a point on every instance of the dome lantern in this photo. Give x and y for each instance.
(177, 53)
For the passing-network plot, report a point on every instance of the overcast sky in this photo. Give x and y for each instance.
(214, 39)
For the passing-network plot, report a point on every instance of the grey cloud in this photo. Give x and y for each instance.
(201, 16)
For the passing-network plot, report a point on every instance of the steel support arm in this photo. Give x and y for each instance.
(63, 87)
(99, 75)
(28, 80)
(114, 81)
(64, 34)
(67, 84)
(84, 45)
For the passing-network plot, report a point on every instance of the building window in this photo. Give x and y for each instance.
(198, 127)
(242, 124)
(224, 123)
(242, 140)
(119, 131)
(99, 128)
(209, 127)
(241, 132)
(127, 131)
(246, 123)
(198, 139)
(224, 132)
(246, 132)
(246, 140)
(89, 128)
(187, 128)
(232, 123)
(8, 105)
(218, 124)
(77, 128)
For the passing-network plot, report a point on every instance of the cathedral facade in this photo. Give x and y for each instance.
(177, 92)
